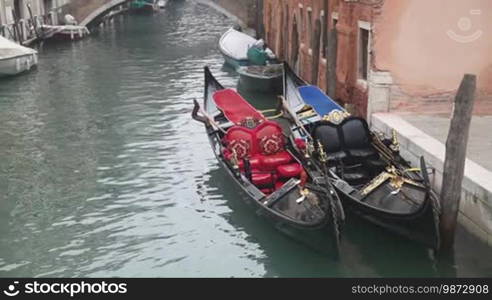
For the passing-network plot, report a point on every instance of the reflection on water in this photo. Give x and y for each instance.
(103, 173)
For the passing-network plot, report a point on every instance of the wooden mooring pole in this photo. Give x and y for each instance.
(454, 164)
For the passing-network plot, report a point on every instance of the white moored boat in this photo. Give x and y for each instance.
(15, 59)
(234, 47)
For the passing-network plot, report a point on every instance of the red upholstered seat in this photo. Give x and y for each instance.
(264, 147)
(271, 162)
(300, 143)
(279, 184)
(235, 107)
(269, 138)
(289, 170)
(261, 178)
(241, 140)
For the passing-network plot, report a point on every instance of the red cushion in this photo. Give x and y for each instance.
(240, 139)
(290, 170)
(279, 184)
(271, 144)
(266, 131)
(254, 161)
(261, 178)
(300, 143)
(271, 162)
(234, 106)
(241, 147)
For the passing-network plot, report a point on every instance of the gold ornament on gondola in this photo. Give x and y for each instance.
(309, 149)
(322, 154)
(234, 160)
(395, 144)
(397, 180)
(336, 116)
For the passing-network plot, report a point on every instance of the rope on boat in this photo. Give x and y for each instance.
(274, 116)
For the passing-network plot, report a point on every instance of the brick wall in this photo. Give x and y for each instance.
(290, 28)
(289, 31)
(245, 10)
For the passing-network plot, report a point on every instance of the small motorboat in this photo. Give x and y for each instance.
(266, 76)
(261, 78)
(286, 188)
(16, 59)
(234, 46)
(364, 166)
(143, 6)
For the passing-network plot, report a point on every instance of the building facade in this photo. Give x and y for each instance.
(382, 55)
(24, 13)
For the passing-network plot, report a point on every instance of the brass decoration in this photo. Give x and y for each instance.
(385, 152)
(306, 114)
(336, 116)
(309, 148)
(376, 182)
(322, 154)
(234, 160)
(395, 145)
(396, 180)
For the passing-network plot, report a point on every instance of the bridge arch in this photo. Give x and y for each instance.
(86, 12)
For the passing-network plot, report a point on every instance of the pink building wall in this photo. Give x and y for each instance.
(427, 46)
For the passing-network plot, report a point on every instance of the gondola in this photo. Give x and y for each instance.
(365, 167)
(284, 187)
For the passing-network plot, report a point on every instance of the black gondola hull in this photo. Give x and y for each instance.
(317, 225)
(316, 236)
(420, 226)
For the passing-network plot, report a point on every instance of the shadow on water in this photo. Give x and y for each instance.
(365, 250)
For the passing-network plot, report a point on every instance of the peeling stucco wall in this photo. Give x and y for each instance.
(427, 46)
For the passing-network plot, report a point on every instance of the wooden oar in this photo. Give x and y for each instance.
(206, 117)
(294, 117)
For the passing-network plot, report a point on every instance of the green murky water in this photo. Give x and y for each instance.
(103, 173)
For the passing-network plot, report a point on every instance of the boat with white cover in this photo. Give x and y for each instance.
(15, 59)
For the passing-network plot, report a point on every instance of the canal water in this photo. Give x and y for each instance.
(103, 172)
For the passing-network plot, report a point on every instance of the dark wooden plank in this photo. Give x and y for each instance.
(454, 164)
(331, 79)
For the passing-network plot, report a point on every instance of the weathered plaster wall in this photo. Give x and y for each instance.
(427, 46)
(291, 32)
(245, 10)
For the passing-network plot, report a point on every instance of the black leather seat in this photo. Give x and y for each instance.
(357, 139)
(329, 137)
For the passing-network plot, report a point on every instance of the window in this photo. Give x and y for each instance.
(301, 20)
(310, 27)
(334, 17)
(324, 34)
(363, 60)
(48, 5)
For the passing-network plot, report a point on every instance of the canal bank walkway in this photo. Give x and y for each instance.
(480, 139)
(425, 135)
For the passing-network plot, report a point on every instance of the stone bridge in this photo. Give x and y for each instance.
(86, 12)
